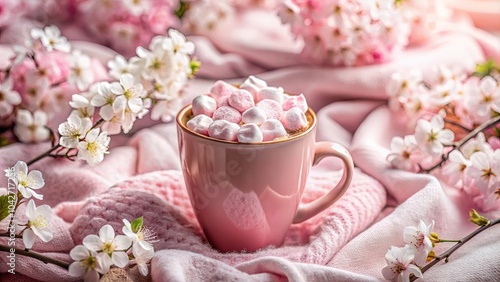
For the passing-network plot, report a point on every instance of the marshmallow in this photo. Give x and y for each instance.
(250, 133)
(204, 105)
(272, 129)
(254, 115)
(220, 89)
(199, 124)
(294, 119)
(295, 101)
(223, 101)
(241, 100)
(228, 114)
(272, 108)
(253, 85)
(271, 93)
(223, 130)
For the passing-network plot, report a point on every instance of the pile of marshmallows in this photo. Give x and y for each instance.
(252, 113)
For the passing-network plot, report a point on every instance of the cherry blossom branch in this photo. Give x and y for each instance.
(460, 243)
(35, 255)
(459, 144)
(43, 155)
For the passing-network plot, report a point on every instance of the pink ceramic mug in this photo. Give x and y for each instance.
(245, 196)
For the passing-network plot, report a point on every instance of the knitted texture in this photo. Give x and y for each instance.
(163, 201)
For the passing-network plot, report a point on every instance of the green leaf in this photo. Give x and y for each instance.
(183, 7)
(4, 207)
(485, 69)
(136, 224)
(478, 219)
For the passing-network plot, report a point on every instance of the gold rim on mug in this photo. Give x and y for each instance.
(185, 112)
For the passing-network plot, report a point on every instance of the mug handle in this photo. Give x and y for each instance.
(322, 150)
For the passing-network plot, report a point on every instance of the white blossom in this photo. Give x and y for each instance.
(419, 239)
(104, 99)
(484, 170)
(93, 148)
(38, 223)
(113, 247)
(158, 62)
(404, 153)
(431, 136)
(142, 257)
(144, 236)
(51, 38)
(31, 128)
(26, 182)
(399, 264)
(477, 144)
(164, 110)
(179, 43)
(119, 65)
(8, 98)
(82, 106)
(87, 264)
(455, 167)
(73, 130)
(137, 7)
(128, 94)
(81, 74)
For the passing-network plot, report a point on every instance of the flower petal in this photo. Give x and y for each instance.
(30, 210)
(122, 242)
(107, 233)
(120, 259)
(35, 179)
(28, 238)
(93, 242)
(104, 262)
(79, 252)
(76, 269)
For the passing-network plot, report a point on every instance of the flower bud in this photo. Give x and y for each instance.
(431, 256)
(434, 237)
(478, 219)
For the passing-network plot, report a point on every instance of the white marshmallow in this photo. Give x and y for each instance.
(221, 88)
(241, 100)
(272, 108)
(227, 113)
(254, 115)
(272, 129)
(199, 124)
(250, 133)
(223, 130)
(294, 119)
(204, 105)
(271, 93)
(253, 85)
(295, 101)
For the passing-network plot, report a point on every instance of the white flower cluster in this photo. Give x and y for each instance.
(38, 218)
(154, 78)
(453, 102)
(99, 253)
(403, 261)
(41, 72)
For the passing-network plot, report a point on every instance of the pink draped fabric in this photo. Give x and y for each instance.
(347, 242)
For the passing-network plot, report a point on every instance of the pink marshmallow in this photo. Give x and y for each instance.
(223, 130)
(250, 133)
(253, 85)
(223, 101)
(204, 105)
(199, 124)
(272, 129)
(294, 119)
(228, 114)
(254, 115)
(272, 108)
(271, 93)
(241, 100)
(221, 88)
(295, 101)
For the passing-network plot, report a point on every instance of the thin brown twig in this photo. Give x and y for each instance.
(455, 247)
(35, 255)
(459, 144)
